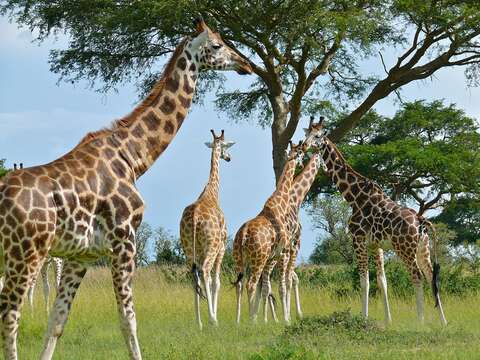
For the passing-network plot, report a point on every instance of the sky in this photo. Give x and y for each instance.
(41, 119)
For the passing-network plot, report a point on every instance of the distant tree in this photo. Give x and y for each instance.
(329, 214)
(167, 248)
(462, 215)
(426, 155)
(143, 238)
(306, 54)
(3, 170)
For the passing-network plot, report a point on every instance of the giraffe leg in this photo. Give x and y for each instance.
(297, 294)
(57, 267)
(239, 286)
(207, 279)
(417, 283)
(30, 294)
(46, 285)
(382, 284)
(197, 309)
(123, 267)
(266, 291)
(18, 279)
(361, 254)
(423, 257)
(72, 276)
(252, 291)
(216, 279)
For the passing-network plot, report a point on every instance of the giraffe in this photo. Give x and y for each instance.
(57, 268)
(375, 219)
(85, 204)
(203, 233)
(288, 278)
(261, 240)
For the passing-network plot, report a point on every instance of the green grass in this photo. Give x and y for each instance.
(167, 329)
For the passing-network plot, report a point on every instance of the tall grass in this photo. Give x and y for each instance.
(167, 329)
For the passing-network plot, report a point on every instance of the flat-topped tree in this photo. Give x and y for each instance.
(306, 53)
(85, 205)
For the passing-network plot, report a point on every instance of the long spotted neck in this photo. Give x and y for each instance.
(154, 123)
(350, 183)
(285, 182)
(211, 189)
(303, 181)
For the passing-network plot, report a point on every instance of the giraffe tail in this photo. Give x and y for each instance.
(195, 269)
(238, 254)
(436, 266)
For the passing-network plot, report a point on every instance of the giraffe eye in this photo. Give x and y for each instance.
(217, 46)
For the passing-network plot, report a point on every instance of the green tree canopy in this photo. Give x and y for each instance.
(305, 53)
(463, 216)
(427, 154)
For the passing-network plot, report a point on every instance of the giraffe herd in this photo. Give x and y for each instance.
(85, 205)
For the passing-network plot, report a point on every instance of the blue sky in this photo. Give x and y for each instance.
(41, 120)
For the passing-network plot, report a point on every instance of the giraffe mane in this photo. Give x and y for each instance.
(129, 119)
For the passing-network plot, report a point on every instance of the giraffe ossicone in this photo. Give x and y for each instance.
(85, 204)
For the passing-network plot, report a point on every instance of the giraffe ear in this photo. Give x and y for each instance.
(209, 144)
(200, 40)
(229, 144)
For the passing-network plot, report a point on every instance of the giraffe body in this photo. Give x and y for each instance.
(376, 219)
(203, 234)
(85, 205)
(260, 241)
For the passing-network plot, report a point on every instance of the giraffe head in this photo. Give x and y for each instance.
(220, 143)
(211, 51)
(297, 152)
(315, 133)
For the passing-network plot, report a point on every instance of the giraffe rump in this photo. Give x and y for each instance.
(424, 226)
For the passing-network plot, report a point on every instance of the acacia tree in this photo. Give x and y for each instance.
(427, 154)
(305, 53)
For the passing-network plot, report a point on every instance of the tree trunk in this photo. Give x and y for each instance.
(279, 145)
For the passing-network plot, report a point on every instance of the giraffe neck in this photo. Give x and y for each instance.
(146, 132)
(354, 187)
(285, 181)
(211, 189)
(303, 181)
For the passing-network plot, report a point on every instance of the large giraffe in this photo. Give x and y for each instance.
(85, 204)
(203, 233)
(375, 219)
(261, 240)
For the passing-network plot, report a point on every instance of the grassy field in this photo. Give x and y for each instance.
(167, 329)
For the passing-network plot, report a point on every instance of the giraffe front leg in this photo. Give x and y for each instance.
(297, 294)
(123, 267)
(72, 275)
(361, 255)
(382, 284)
